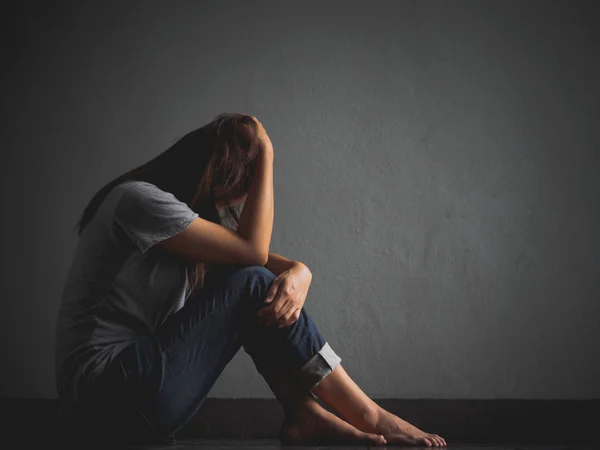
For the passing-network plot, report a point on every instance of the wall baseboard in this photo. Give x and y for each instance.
(500, 421)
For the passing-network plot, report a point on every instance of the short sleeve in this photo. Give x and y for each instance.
(149, 215)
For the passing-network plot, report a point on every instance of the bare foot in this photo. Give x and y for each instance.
(398, 431)
(312, 424)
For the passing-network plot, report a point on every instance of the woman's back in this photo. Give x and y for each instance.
(120, 286)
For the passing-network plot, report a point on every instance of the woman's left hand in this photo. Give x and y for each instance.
(285, 297)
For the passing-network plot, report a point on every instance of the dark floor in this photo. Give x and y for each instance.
(272, 444)
(236, 424)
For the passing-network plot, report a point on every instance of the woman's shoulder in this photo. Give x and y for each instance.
(136, 197)
(138, 190)
(135, 185)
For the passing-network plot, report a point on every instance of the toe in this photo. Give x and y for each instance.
(377, 439)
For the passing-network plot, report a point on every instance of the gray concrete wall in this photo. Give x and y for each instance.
(436, 168)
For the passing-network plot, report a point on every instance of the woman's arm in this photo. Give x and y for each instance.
(256, 219)
(206, 241)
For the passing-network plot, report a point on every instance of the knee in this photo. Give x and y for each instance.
(257, 279)
(257, 272)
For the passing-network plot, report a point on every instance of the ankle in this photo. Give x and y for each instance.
(300, 407)
(369, 416)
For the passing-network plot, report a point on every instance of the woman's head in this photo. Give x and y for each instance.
(212, 165)
(228, 175)
(210, 169)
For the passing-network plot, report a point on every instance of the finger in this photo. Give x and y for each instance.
(272, 314)
(286, 316)
(272, 294)
(282, 306)
(271, 299)
(273, 290)
(280, 302)
(265, 313)
(286, 312)
(293, 319)
(285, 324)
(295, 315)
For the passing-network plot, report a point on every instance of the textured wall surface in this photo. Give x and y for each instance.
(436, 167)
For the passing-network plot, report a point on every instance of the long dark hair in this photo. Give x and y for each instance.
(221, 153)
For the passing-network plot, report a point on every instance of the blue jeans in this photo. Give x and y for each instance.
(157, 383)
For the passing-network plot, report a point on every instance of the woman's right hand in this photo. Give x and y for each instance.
(263, 137)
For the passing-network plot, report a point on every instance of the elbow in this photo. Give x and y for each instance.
(261, 258)
(257, 257)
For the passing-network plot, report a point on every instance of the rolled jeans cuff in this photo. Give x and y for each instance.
(318, 367)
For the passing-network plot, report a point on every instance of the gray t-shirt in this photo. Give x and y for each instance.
(119, 285)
